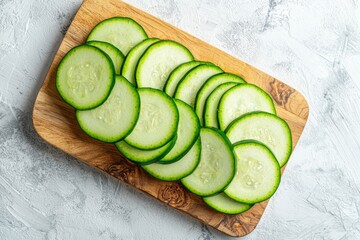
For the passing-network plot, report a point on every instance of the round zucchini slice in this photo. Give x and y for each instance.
(116, 117)
(258, 173)
(266, 128)
(217, 164)
(85, 77)
(158, 61)
(243, 99)
(158, 120)
(122, 32)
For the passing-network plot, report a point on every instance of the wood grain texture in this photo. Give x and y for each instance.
(55, 121)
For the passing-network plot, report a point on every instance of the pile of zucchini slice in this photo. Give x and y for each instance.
(179, 118)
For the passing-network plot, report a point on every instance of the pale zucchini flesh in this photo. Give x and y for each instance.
(243, 99)
(85, 77)
(212, 103)
(222, 203)
(179, 169)
(116, 56)
(267, 128)
(116, 117)
(158, 61)
(208, 87)
(122, 32)
(177, 74)
(132, 59)
(258, 173)
(189, 86)
(217, 164)
(158, 120)
(187, 132)
(142, 156)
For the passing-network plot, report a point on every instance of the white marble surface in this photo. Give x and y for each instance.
(312, 45)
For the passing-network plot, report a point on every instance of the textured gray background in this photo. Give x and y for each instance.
(312, 45)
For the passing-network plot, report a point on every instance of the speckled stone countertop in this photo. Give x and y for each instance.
(313, 46)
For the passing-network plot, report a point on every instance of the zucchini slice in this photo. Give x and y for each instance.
(258, 173)
(217, 164)
(132, 59)
(222, 203)
(267, 128)
(187, 132)
(177, 74)
(144, 156)
(158, 61)
(116, 117)
(122, 32)
(116, 56)
(85, 77)
(212, 103)
(189, 86)
(208, 87)
(158, 120)
(179, 169)
(243, 99)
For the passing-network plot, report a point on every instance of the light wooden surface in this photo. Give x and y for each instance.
(55, 121)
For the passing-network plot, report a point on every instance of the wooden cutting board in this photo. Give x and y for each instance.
(55, 121)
